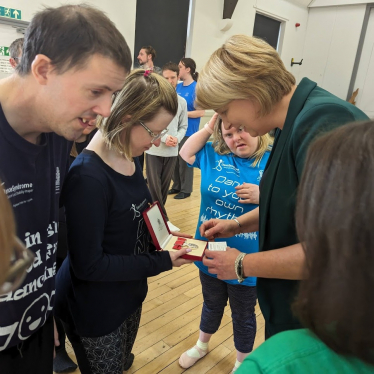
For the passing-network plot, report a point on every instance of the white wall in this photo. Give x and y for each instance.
(121, 12)
(207, 36)
(331, 45)
(318, 3)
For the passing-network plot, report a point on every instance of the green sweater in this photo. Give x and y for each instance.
(300, 352)
(312, 112)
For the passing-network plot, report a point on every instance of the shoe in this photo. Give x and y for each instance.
(182, 195)
(172, 191)
(173, 227)
(190, 357)
(62, 363)
(129, 362)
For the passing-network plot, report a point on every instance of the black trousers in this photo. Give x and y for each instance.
(32, 356)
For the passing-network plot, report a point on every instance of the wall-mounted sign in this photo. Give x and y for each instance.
(10, 13)
(4, 51)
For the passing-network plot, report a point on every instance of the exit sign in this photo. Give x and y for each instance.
(10, 12)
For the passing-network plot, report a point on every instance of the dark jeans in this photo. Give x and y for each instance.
(33, 356)
(242, 302)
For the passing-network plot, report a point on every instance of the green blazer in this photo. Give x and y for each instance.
(312, 111)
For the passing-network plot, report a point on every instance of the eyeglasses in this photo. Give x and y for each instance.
(21, 261)
(153, 135)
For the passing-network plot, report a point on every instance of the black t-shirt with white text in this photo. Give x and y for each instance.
(32, 177)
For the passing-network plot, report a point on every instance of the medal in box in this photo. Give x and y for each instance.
(164, 240)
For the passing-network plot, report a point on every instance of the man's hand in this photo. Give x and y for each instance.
(219, 228)
(248, 193)
(171, 141)
(221, 263)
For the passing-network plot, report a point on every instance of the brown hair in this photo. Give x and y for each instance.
(149, 50)
(172, 66)
(191, 64)
(265, 143)
(7, 234)
(16, 47)
(334, 221)
(70, 35)
(243, 68)
(142, 96)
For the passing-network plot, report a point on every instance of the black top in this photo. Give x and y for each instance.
(32, 177)
(104, 278)
(311, 113)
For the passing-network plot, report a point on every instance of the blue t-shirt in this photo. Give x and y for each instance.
(188, 93)
(32, 177)
(220, 175)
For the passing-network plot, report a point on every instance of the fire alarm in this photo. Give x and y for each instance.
(297, 24)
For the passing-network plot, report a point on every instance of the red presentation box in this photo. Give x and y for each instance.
(164, 240)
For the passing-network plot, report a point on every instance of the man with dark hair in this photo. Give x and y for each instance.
(147, 55)
(15, 52)
(161, 160)
(68, 73)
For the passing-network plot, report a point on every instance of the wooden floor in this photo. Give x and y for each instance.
(171, 312)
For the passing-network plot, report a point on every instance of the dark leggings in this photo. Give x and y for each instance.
(242, 302)
(105, 354)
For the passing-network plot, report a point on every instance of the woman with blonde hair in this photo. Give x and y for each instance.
(231, 168)
(246, 82)
(102, 284)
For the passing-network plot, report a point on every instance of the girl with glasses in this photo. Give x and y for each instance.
(102, 284)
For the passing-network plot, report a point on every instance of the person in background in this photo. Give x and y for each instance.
(334, 221)
(146, 57)
(232, 166)
(161, 160)
(15, 52)
(183, 175)
(69, 70)
(102, 283)
(62, 363)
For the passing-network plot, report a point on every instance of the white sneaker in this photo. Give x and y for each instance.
(172, 227)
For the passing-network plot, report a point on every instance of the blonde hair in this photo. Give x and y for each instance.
(243, 68)
(7, 234)
(265, 143)
(142, 96)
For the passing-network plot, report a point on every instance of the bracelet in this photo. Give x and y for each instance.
(239, 271)
(240, 226)
(208, 128)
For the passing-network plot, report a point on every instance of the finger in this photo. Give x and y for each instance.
(244, 201)
(181, 234)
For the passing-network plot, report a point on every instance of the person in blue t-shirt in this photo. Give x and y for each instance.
(183, 175)
(232, 166)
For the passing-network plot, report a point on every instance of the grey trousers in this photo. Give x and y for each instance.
(183, 175)
(159, 172)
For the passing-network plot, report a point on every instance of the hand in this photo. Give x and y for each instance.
(248, 193)
(176, 259)
(171, 141)
(219, 228)
(57, 342)
(221, 263)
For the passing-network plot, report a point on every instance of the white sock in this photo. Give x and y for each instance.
(194, 353)
(236, 366)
